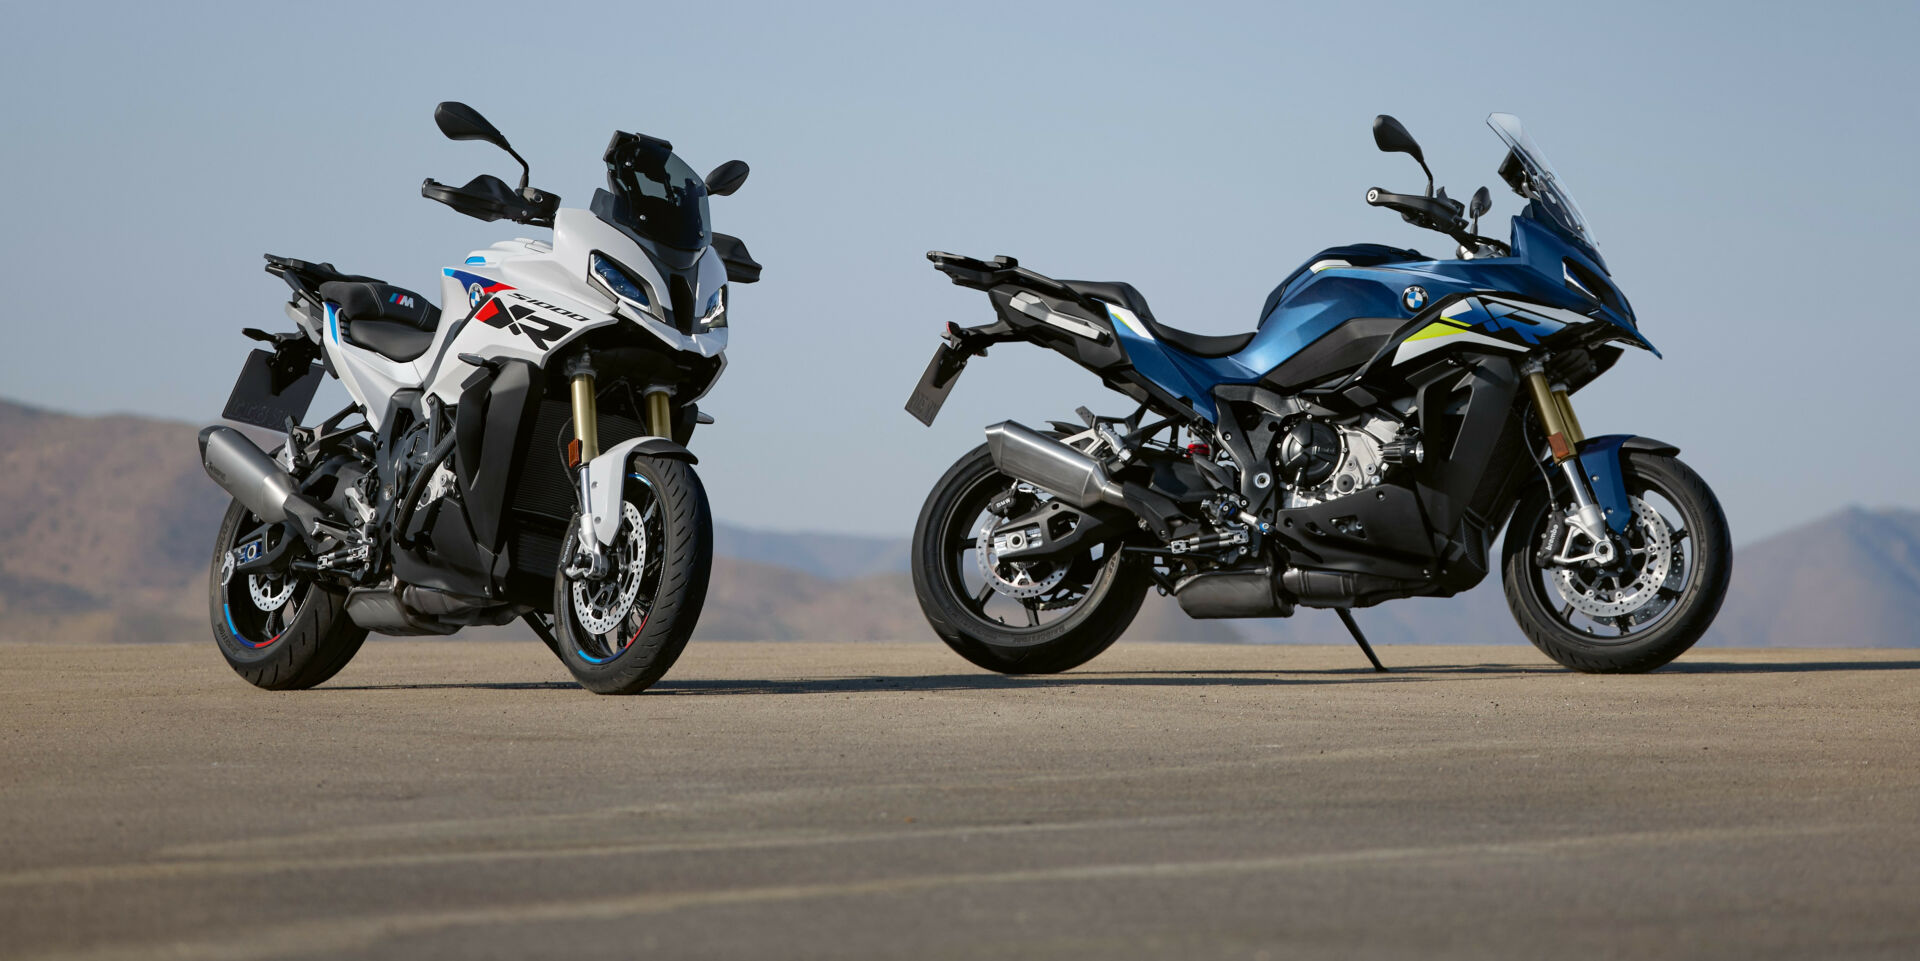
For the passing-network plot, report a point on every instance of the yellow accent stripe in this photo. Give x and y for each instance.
(1436, 330)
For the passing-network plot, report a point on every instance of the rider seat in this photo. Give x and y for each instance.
(393, 322)
(1124, 294)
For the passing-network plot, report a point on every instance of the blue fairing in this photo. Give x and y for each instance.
(1600, 460)
(1309, 305)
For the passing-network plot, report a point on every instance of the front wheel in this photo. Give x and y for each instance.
(620, 632)
(1643, 610)
(1031, 617)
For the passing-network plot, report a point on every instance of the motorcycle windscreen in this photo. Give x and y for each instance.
(269, 393)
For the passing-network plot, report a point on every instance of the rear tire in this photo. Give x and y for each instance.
(299, 644)
(675, 557)
(1689, 599)
(1118, 585)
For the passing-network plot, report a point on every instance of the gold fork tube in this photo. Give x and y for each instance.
(659, 414)
(1548, 407)
(586, 417)
(1572, 423)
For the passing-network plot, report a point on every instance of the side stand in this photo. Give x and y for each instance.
(544, 630)
(1346, 617)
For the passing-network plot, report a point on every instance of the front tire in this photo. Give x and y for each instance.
(1680, 558)
(620, 633)
(281, 634)
(1091, 601)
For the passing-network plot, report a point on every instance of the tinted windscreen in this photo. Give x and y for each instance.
(665, 200)
(1550, 193)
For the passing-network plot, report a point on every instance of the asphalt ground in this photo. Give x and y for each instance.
(464, 800)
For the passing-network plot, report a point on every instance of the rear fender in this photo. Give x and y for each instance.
(607, 478)
(1600, 461)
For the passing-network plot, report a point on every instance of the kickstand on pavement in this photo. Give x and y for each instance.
(1346, 617)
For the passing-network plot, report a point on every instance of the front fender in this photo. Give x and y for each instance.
(1600, 461)
(607, 478)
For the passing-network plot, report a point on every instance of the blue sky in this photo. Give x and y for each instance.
(1747, 167)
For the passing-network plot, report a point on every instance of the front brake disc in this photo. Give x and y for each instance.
(1652, 564)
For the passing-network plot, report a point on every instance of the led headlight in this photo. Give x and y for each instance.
(624, 287)
(715, 316)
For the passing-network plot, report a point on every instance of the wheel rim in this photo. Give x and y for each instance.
(1642, 592)
(608, 613)
(259, 608)
(1019, 599)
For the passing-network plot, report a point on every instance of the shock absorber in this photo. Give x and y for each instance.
(659, 412)
(584, 447)
(586, 417)
(1555, 410)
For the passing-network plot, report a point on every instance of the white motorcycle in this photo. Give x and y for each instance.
(523, 457)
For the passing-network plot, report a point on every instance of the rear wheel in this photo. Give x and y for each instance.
(1037, 617)
(1641, 611)
(279, 632)
(621, 631)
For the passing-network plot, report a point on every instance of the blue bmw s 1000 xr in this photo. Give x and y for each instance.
(1366, 442)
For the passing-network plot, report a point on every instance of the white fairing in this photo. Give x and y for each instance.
(606, 486)
(535, 297)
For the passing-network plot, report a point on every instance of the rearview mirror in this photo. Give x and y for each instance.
(1390, 137)
(1482, 202)
(461, 122)
(727, 178)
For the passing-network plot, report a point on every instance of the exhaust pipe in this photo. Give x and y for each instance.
(1052, 466)
(242, 469)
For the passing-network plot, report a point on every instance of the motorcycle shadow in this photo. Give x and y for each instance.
(936, 683)
(1792, 667)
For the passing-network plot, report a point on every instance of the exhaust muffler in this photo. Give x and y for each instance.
(242, 469)
(1052, 466)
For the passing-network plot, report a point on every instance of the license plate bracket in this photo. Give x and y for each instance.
(943, 371)
(269, 392)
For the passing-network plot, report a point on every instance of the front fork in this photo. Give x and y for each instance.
(1564, 436)
(589, 560)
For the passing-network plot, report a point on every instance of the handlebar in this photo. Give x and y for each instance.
(1434, 213)
(487, 197)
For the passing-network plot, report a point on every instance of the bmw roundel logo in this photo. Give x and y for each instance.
(475, 295)
(1414, 297)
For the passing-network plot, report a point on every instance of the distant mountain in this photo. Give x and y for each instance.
(105, 523)
(836, 557)
(1850, 579)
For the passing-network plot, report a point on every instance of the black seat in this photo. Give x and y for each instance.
(393, 322)
(1124, 294)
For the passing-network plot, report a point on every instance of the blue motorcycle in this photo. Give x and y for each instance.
(1366, 442)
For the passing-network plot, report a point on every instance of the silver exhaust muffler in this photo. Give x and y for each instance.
(242, 469)
(1054, 467)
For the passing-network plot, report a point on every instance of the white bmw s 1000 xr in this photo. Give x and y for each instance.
(519, 453)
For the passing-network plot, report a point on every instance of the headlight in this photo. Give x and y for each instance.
(715, 316)
(625, 287)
